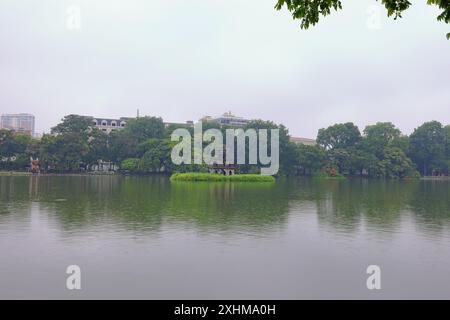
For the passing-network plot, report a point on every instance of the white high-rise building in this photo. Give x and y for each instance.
(22, 122)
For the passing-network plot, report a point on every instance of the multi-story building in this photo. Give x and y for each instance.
(305, 141)
(227, 119)
(22, 122)
(187, 124)
(108, 125)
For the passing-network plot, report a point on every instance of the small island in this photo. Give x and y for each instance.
(198, 176)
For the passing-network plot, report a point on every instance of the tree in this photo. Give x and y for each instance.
(75, 124)
(310, 159)
(121, 146)
(63, 152)
(402, 142)
(15, 150)
(156, 158)
(73, 143)
(447, 140)
(377, 137)
(144, 128)
(339, 136)
(340, 158)
(98, 143)
(427, 147)
(396, 165)
(287, 153)
(12, 144)
(363, 162)
(309, 11)
(447, 149)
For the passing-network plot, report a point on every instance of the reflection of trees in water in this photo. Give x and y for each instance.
(13, 189)
(14, 198)
(343, 204)
(125, 202)
(144, 203)
(431, 204)
(225, 205)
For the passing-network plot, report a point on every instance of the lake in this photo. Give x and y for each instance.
(149, 238)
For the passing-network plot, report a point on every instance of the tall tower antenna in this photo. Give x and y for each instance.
(137, 113)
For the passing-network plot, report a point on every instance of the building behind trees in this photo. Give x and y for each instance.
(21, 122)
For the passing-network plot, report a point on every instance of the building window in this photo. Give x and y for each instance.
(113, 124)
(104, 123)
(122, 124)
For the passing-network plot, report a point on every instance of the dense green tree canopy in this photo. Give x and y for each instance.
(310, 159)
(144, 128)
(341, 135)
(380, 152)
(395, 164)
(428, 147)
(145, 147)
(63, 152)
(12, 143)
(74, 124)
(287, 149)
(73, 143)
(379, 136)
(156, 155)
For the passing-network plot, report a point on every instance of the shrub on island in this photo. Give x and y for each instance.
(197, 176)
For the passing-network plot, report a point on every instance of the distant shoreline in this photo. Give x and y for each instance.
(26, 173)
(431, 178)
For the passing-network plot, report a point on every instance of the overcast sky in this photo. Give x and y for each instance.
(182, 59)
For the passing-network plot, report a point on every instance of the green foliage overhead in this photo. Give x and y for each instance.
(310, 11)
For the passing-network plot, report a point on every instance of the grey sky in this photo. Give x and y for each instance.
(184, 59)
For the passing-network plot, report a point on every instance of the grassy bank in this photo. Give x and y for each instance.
(15, 173)
(194, 176)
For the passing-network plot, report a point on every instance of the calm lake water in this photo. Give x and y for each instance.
(145, 237)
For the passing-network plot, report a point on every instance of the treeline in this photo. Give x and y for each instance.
(381, 151)
(144, 146)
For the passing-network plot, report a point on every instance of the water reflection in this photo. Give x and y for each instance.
(146, 203)
(143, 203)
